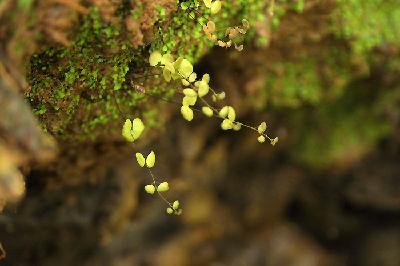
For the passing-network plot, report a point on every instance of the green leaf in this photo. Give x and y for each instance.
(140, 159)
(150, 189)
(262, 127)
(207, 3)
(155, 58)
(224, 111)
(216, 7)
(190, 92)
(137, 128)
(163, 187)
(207, 111)
(226, 124)
(187, 113)
(203, 88)
(175, 205)
(127, 131)
(151, 159)
(231, 114)
(185, 68)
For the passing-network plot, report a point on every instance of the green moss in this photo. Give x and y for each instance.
(340, 131)
(75, 85)
(368, 23)
(306, 79)
(84, 91)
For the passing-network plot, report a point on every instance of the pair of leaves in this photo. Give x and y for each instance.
(149, 161)
(132, 130)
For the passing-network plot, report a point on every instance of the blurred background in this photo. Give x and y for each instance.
(324, 74)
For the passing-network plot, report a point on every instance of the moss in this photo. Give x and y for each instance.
(74, 86)
(368, 23)
(341, 131)
(83, 91)
(306, 79)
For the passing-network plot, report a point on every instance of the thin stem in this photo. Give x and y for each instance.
(159, 194)
(217, 111)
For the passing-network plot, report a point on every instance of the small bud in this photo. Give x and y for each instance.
(151, 159)
(207, 111)
(170, 210)
(261, 139)
(150, 189)
(175, 205)
(262, 127)
(221, 95)
(163, 187)
(140, 159)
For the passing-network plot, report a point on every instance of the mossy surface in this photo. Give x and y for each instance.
(82, 91)
(323, 88)
(368, 23)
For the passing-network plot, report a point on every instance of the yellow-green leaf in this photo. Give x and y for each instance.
(261, 139)
(203, 88)
(155, 58)
(226, 124)
(190, 92)
(231, 113)
(207, 3)
(163, 187)
(175, 205)
(262, 127)
(150, 189)
(215, 7)
(207, 111)
(186, 112)
(137, 128)
(151, 159)
(127, 130)
(140, 159)
(189, 101)
(224, 111)
(185, 68)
